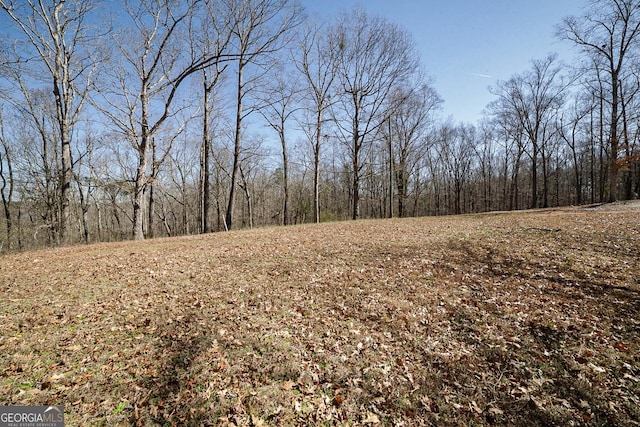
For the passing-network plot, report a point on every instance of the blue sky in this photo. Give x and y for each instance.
(467, 45)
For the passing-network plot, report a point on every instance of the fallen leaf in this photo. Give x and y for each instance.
(371, 419)
(621, 347)
(475, 407)
(288, 385)
(581, 360)
(338, 400)
(496, 411)
(257, 421)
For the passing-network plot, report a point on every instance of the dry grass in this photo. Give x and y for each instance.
(509, 319)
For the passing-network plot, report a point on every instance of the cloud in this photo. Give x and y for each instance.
(484, 76)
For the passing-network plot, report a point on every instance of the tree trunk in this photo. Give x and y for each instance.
(138, 195)
(577, 172)
(613, 141)
(236, 149)
(401, 184)
(151, 208)
(316, 168)
(637, 179)
(628, 179)
(65, 184)
(545, 180)
(205, 185)
(141, 174)
(356, 188)
(391, 172)
(534, 176)
(245, 188)
(84, 207)
(356, 167)
(6, 180)
(152, 200)
(63, 93)
(61, 96)
(514, 202)
(285, 171)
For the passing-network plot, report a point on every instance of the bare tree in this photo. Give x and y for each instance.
(608, 32)
(58, 34)
(261, 28)
(84, 181)
(180, 188)
(277, 106)
(531, 100)
(511, 136)
(318, 68)
(454, 149)
(39, 155)
(570, 123)
(211, 79)
(373, 56)
(212, 39)
(8, 182)
(485, 152)
(144, 86)
(594, 90)
(407, 130)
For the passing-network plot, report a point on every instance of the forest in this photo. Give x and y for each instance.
(163, 118)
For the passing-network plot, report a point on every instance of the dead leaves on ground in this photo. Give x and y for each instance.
(521, 319)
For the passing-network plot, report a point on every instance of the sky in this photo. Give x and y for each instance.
(469, 45)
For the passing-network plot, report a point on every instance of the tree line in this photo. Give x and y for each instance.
(140, 118)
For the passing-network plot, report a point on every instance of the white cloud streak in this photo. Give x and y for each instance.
(484, 76)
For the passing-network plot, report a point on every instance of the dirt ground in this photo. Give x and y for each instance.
(527, 318)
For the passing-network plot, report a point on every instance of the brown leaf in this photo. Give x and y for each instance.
(581, 360)
(288, 385)
(338, 400)
(621, 347)
(371, 419)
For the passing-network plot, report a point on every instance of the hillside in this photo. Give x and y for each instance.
(528, 318)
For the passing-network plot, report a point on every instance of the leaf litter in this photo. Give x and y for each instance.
(527, 318)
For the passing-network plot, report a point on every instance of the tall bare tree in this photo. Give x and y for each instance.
(373, 56)
(40, 152)
(409, 118)
(277, 106)
(316, 62)
(261, 28)
(156, 60)
(212, 39)
(609, 33)
(532, 100)
(7, 184)
(211, 78)
(454, 147)
(58, 35)
(571, 124)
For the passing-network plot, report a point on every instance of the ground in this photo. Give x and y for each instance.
(528, 318)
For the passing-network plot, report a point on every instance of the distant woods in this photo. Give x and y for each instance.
(163, 118)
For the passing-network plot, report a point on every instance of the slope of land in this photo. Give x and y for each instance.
(521, 319)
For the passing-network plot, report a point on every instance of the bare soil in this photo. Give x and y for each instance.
(529, 318)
